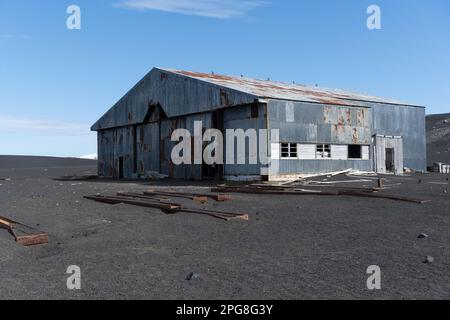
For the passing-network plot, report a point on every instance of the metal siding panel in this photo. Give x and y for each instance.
(339, 152)
(315, 123)
(306, 151)
(365, 152)
(233, 120)
(407, 122)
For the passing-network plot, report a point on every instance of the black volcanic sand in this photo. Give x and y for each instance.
(438, 138)
(21, 162)
(293, 247)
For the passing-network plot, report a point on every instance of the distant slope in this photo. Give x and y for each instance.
(438, 138)
(20, 162)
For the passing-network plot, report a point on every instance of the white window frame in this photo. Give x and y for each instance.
(320, 155)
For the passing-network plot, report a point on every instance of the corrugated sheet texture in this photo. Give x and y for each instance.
(115, 144)
(183, 92)
(407, 122)
(177, 95)
(315, 123)
(283, 91)
(395, 143)
(241, 118)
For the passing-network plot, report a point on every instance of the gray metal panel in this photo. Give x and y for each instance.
(240, 118)
(318, 166)
(105, 151)
(316, 123)
(283, 91)
(148, 147)
(176, 94)
(123, 148)
(407, 122)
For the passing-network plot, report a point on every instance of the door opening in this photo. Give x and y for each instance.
(120, 167)
(390, 165)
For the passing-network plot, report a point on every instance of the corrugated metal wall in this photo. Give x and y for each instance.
(407, 122)
(241, 118)
(147, 147)
(315, 123)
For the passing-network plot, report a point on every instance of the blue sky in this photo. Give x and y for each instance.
(55, 82)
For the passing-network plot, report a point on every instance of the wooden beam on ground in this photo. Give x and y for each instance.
(221, 197)
(345, 192)
(23, 234)
(148, 201)
(142, 196)
(384, 196)
(227, 216)
(191, 196)
(168, 207)
(272, 191)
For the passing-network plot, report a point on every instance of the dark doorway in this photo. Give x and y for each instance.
(135, 151)
(120, 167)
(390, 166)
(215, 171)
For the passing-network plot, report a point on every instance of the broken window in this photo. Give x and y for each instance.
(288, 150)
(354, 152)
(323, 151)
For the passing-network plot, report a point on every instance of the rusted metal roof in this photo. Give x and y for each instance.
(283, 91)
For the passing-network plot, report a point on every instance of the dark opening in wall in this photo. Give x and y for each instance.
(354, 152)
(254, 110)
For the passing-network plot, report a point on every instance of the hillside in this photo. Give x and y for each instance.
(438, 138)
(21, 162)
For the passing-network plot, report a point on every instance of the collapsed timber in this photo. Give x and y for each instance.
(160, 200)
(283, 190)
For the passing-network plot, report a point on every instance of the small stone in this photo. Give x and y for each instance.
(429, 259)
(422, 236)
(192, 276)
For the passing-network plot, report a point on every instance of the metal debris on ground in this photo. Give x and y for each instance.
(279, 190)
(193, 196)
(23, 234)
(152, 201)
(192, 276)
(154, 175)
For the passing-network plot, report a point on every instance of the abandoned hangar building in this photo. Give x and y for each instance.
(320, 130)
